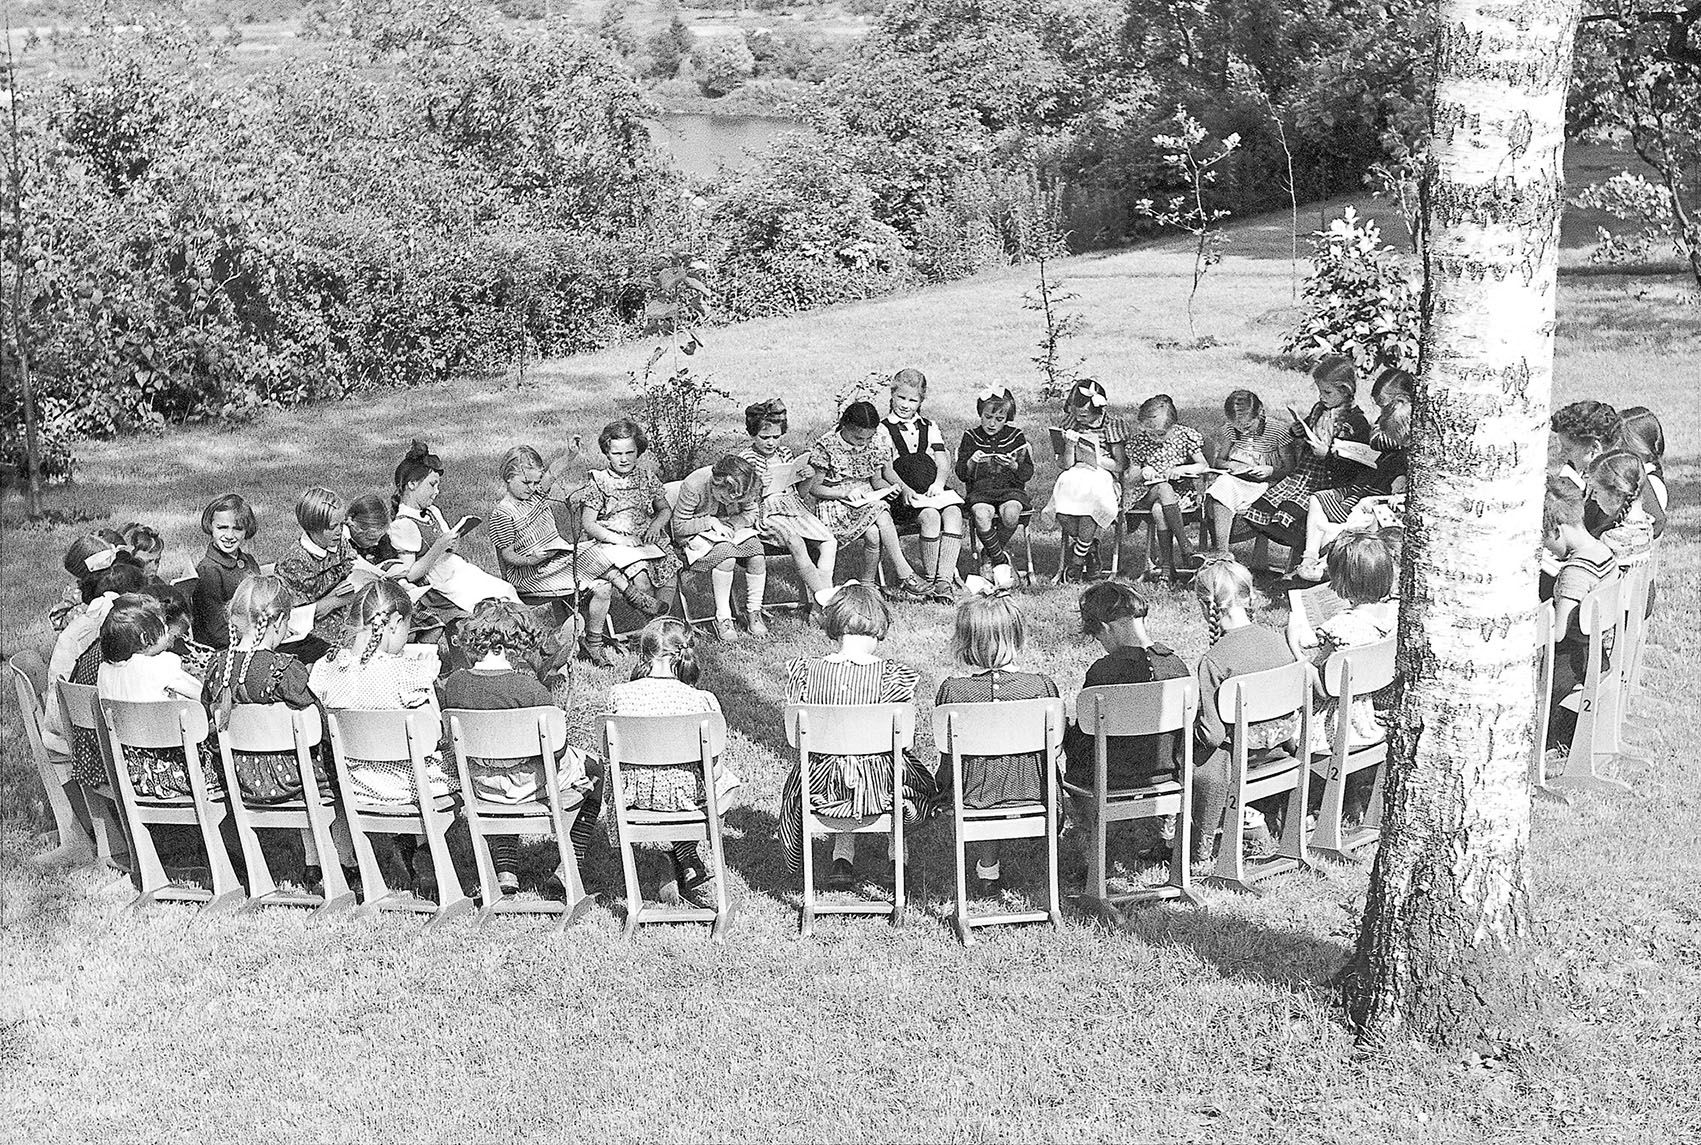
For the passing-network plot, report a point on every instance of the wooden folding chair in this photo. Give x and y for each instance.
(156, 725)
(79, 710)
(1348, 675)
(1633, 678)
(1540, 787)
(400, 735)
(1150, 709)
(660, 741)
(851, 729)
(1594, 743)
(1241, 702)
(74, 843)
(512, 734)
(1005, 728)
(276, 729)
(1638, 574)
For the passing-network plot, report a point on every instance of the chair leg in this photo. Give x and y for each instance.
(898, 856)
(452, 899)
(228, 894)
(960, 855)
(806, 913)
(1098, 860)
(374, 889)
(148, 869)
(1230, 870)
(1326, 836)
(261, 884)
(578, 903)
(1054, 899)
(634, 893)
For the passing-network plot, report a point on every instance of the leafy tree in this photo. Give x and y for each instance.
(670, 46)
(1189, 156)
(1637, 78)
(722, 63)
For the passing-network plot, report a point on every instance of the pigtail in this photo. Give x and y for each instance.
(685, 666)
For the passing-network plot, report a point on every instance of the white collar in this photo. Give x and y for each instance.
(1576, 478)
(406, 510)
(312, 549)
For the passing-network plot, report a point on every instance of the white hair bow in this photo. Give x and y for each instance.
(100, 561)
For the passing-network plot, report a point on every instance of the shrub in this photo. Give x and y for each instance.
(722, 63)
(1360, 298)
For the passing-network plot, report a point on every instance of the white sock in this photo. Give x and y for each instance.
(844, 847)
(982, 871)
(755, 588)
(826, 595)
(722, 581)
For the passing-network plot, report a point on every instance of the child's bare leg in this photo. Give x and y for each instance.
(807, 571)
(889, 541)
(1315, 523)
(871, 553)
(826, 560)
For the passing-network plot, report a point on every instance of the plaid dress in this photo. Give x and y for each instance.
(993, 780)
(1280, 512)
(850, 786)
(785, 514)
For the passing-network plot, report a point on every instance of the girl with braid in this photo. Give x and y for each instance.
(375, 669)
(1238, 646)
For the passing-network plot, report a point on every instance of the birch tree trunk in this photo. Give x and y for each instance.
(1436, 957)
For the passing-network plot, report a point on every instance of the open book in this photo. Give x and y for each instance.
(698, 547)
(872, 496)
(1086, 450)
(1357, 451)
(784, 475)
(1312, 607)
(939, 500)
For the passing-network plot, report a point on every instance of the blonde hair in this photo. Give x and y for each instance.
(1360, 569)
(258, 602)
(316, 508)
(373, 608)
(518, 458)
(1221, 585)
(989, 633)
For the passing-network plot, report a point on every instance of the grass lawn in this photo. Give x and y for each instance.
(1205, 1025)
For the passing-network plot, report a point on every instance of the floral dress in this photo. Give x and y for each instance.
(1354, 628)
(785, 514)
(851, 469)
(262, 676)
(625, 505)
(850, 786)
(157, 773)
(1146, 450)
(528, 526)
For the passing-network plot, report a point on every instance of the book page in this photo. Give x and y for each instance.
(1357, 451)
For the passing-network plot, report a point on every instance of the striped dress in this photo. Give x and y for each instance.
(992, 780)
(850, 786)
(527, 526)
(994, 484)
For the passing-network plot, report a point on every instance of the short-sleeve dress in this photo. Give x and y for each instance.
(462, 582)
(671, 788)
(784, 512)
(1354, 628)
(852, 469)
(1338, 503)
(993, 780)
(529, 525)
(387, 680)
(850, 786)
(264, 676)
(1262, 444)
(1177, 447)
(1086, 489)
(1280, 512)
(625, 505)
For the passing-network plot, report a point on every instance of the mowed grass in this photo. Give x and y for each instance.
(1209, 1025)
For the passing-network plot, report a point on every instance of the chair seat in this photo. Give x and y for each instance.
(1127, 794)
(1269, 769)
(1007, 811)
(645, 818)
(443, 803)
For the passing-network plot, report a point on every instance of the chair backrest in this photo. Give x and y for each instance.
(1267, 695)
(1602, 610)
(1362, 670)
(78, 705)
(658, 741)
(1138, 709)
(509, 733)
(1008, 727)
(271, 728)
(156, 724)
(851, 729)
(384, 736)
(29, 707)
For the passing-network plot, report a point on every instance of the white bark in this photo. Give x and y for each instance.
(1449, 890)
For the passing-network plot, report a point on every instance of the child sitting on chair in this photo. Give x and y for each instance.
(136, 665)
(717, 522)
(786, 519)
(1256, 455)
(375, 669)
(852, 786)
(1087, 496)
(230, 524)
(317, 571)
(1162, 455)
(988, 639)
(624, 510)
(1361, 573)
(664, 683)
(1613, 505)
(252, 671)
(1584, 562)
(1239, 647)
(995, 463)
(1114, 614)
(501, 637)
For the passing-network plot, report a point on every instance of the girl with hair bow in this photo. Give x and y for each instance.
(1091, 447)
(995, 463)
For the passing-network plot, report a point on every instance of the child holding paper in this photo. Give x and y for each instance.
(316, 572)
(786, 520)
(717, 520)
(1092, 449)
(921, 464)
(1162, 454)
(624, 508)
(853, 479)
(425, 542)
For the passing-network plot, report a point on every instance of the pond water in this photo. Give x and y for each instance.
(702, 144)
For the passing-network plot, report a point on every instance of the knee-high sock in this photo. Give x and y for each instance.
(950, 548)
(929, 557)
(994, 543)
(721, 578)
(755, 587)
